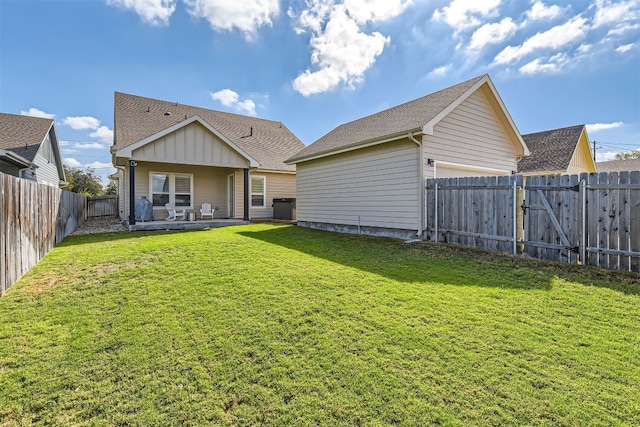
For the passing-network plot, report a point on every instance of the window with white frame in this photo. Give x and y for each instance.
(258, 191)
(173, 188)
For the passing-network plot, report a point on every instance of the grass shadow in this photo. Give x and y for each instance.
(438, 262)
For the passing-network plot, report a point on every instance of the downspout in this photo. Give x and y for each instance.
(421, 187)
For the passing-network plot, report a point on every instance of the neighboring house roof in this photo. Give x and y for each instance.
(268, 142)
(551, 150)
(419, 115)
(23, 135)
(619, 165)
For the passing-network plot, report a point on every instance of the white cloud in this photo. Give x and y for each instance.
(104, 134)
(439, 71)
(492, 33)
(154, 12)
(34, 112)
(553, 65)
(341, 51)
(608, 13)
(71, 162)
(101, 165)
(554, 38)
(363, 11)
(64, 143)
(541, 12)
(81, 122)
(229, 98)
(584, 48)
(596, 127)
(88, 145)
(625, 48)
(606, 156)
(246, 16)
(461, 14)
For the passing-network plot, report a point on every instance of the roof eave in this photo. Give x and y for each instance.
(355, 146)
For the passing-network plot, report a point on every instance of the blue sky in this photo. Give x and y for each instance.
(315, 64)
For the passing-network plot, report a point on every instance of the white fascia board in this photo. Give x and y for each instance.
(127, 152)
(17, 158)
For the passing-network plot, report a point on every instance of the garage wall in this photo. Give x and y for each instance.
(373, 187)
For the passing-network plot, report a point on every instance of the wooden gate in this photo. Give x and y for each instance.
(102, 206)
(553, 217)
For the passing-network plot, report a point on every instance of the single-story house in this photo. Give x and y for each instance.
(369, 175)
(29, 149)
(187, 156)
(563, 151)
(627, 165)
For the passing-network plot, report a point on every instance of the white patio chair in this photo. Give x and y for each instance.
(175, 213)
(207, 210)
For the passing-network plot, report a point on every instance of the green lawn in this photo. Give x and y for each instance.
(279, 325)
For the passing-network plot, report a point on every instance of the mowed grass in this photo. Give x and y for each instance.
(279, 325)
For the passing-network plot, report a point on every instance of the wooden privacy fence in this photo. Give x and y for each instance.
(98, 206)
(33, 219)
(591, 219)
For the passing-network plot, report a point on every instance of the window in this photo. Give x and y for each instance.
(171, 188)
(258, 191)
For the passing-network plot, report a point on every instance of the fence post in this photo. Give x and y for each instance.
(435, 216)
(583, 235)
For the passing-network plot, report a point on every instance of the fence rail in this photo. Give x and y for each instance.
(33, 219)
(592, 219)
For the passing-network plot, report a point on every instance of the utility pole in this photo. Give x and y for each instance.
(594, 150)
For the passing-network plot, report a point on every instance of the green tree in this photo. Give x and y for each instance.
(112, 187)
(635, 154)
(85, 182)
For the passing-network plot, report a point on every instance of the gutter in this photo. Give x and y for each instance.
(421, 189)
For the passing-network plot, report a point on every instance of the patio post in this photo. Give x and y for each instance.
(132, 191)
(246, 195)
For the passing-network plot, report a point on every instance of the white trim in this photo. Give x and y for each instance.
(264, 192)
(172, 188)
(127, 152)
(463, 166)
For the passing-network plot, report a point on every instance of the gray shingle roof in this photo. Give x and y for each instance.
(619, 165)
(137, 118)
(550, 150)
(401, 119)
(23, 134)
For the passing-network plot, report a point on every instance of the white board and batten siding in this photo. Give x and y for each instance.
(194, 145)
(372, 187)
(472, 135)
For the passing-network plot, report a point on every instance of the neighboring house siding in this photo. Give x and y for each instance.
(471, 134)
(47, 171)
(375, 187)
(581, 161)
(192, 144)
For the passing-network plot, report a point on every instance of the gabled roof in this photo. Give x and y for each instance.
(23, 134)
(268, 142)
(551, 150)
(419, 115)
(619, 165)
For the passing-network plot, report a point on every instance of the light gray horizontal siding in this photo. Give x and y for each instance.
(192, 144)
(471, 134)
(47, 171)
(375, 186)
